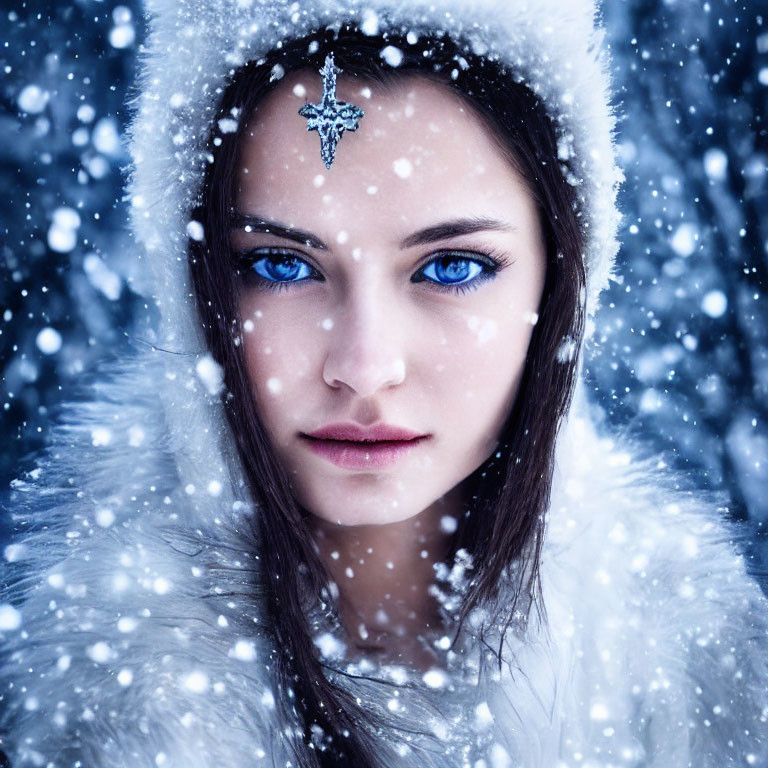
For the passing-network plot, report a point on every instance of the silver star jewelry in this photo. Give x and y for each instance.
(330, 118)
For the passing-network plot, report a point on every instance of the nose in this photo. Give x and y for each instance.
(365, 351)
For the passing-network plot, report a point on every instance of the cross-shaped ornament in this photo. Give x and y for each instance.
(330, 118)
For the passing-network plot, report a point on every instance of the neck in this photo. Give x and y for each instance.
(384, 573)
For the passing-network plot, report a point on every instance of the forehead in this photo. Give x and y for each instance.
(419, 152)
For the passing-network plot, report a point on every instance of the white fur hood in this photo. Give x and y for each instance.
(131, 618)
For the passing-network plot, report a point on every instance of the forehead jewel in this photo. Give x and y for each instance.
(331, 117)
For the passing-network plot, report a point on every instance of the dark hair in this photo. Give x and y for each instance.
(507, 497)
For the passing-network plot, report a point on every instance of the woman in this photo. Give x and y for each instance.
(351, 509)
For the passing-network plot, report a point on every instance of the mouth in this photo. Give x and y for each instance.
(353, 447)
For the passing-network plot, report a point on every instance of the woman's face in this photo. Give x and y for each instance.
(398, 288)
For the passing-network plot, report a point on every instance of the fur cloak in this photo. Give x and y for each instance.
(132, 619)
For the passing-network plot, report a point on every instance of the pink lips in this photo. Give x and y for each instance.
(351, 446)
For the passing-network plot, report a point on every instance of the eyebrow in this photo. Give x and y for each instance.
(455, 228)
(443, 231)
(257, 224)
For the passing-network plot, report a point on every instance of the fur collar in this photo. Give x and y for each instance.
(140, 637)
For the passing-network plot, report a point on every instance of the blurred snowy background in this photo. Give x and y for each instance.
(680, 352)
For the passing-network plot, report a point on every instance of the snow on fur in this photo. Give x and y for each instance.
(132, 644)
(139, 594)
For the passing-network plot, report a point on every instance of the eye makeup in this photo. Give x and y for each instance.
(281, 269)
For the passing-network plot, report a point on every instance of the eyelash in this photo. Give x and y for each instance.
(492, 261)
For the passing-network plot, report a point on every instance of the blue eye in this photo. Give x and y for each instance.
(456, 272)
(276, 267)
(284, 270)
(450, 270)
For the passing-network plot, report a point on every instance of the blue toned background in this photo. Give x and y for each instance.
(680, 351)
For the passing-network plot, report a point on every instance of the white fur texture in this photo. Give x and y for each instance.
(131, 617)
(141, 638)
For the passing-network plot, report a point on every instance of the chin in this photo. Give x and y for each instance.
(363, 509)
(353, 519)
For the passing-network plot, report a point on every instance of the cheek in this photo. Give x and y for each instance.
(281, 357)
(476, 374)
(482, 349)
